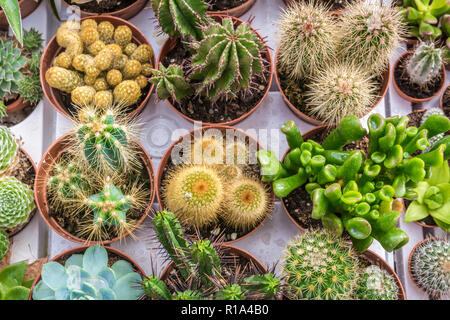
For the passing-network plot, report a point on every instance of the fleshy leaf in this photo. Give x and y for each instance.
(42, 291)
(122, 268)
(94, 259)
(128, 287)
(416, 212)
(54, 275)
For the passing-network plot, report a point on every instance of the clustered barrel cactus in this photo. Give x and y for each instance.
(200, 267)
(425, 64)
(377, 284)
(356, 190)
(88, 276)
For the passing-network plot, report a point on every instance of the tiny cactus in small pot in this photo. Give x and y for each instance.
(377, 284)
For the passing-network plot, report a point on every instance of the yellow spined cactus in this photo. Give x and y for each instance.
(120, 62)
(132, 69)
(143, 53)
(147, 69)
(88, 23)
(83, 95)
(89, 80)
(89, 35)
(130, 48)
(229, 172)
(101, 84)
(106, 31)
(96, 47)
(63, 79)
(63, 60)
(127, 93)
(81, 61)
(122, 36)
(68, 37)
(104, 59)
(103, 99)
(142, 81)
(115, 49)
(114, 77)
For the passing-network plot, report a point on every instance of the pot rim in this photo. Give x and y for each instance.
(40, 184)
(236, 11)
(116, 13)
(167, 155)
(441, 99)
(168, 42)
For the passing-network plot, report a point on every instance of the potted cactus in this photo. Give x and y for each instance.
(344, 275)
(124, 9)
(96, 184)
(102, 60)
(89, 273)
(17, 176)
(429, 266)
(202, 271)
(200, 87)
(215, 185)
(20, 87)
(420, 75)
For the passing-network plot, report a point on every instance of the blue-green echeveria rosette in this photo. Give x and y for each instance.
(88, 277)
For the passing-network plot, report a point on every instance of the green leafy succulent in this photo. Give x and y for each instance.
(13, 285)
(11, 63)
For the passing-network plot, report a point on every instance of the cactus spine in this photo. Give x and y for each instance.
(171, 82)
(16, 202)
(425, 64)
(206, 258)
(377, 284)
(8, 149)
(67, 181)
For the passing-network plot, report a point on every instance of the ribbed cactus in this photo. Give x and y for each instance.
(425, 64)
(67, 181)
(180, 17)
(11, 62)
(267, 286)
(206, 258)
(307, 39)
(4, 244)
(187, 295)
(430, 266)
(155, 288)
(227, 60)
(8, 149)
(170, 82)
(319, 265)
(377, 284)
(369, 34)
(231, 292)
(16, 202)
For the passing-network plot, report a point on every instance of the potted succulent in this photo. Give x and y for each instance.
(215, 186)
(420, 75)
(103, 59)
(445, 101)
(95, 184)
(429, 266)
(17, 176)
(344, 274)
(89, 273)
(202, 271)
(13, 11)
(20, 88)
(124, 9)
(328, 68)
(213, 90)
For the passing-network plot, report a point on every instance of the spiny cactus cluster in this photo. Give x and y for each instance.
(8, 150)
(67, 181)
(100, 64)
(4, 243)
(430, 266)
(377, 284)
(425, 64)
(16, 202)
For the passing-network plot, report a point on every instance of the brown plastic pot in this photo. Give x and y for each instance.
(170, 44)
(236, 11)
(167, 156)
(304, 117)
(125, 13)
(16, 106)
(53, 49)
(40, 190)
(78, 250)
(441, 99)
(26, 8)
(412, 99)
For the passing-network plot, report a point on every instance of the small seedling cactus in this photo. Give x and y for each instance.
(8, 150)
(377, 284)
(16, 202)
(425, 64)
(4, 243)
(171, 82)
(67, 181)
(430, 266)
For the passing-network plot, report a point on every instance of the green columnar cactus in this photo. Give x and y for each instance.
(231, 292)
(8, 149)
(318, 265)
(227, 59)
(187, 295)
(4, 244)
(430, 266)
(206, 258)
(180, 17)
(155, 288)
(370, 34)
(16, 202)
(307, 39)
(266, 285)
(377, 284)
(11, 63)
(170, 82)
(67, 181)
(13, 285)
(425, 64)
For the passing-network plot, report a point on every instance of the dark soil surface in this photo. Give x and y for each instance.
(446, 101)
(335, 4)
(104, 6)
(201, 109)
(17, 117)
(221, 5)
(411, 89)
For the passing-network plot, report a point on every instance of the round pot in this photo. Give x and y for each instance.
(441, 99)
(16, 230)
(125, 13)
(53, 49)
(412, 99)
(40, 190)
(313, 121)
(170, 44)
(236, 11)
(167, 156)
(16, 106)
(26, 8)
(78, 250)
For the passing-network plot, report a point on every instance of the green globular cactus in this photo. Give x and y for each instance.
(307, 39)
(377, 284)
(230, 292)
(430, 266)
(424, 65)
(205, 256)
(170, 82)
(67, 181)
(4, 243)
(319, 265)
(8, 149)
(11, 63)
(180, 17)
(16, 202)
(227, 60)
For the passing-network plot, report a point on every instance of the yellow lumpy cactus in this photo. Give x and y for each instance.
(63, 79)
(127, 93)
(83, 95)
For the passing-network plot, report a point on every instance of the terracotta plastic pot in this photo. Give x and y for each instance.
(170, 44)
(236, 11)
(125, 13)
(16, 106)
(412, 99)
(304, 117)
(167, 156)
(26, 8)
(40, 190)
(52, 49)
(78, 250)
(441, 99)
